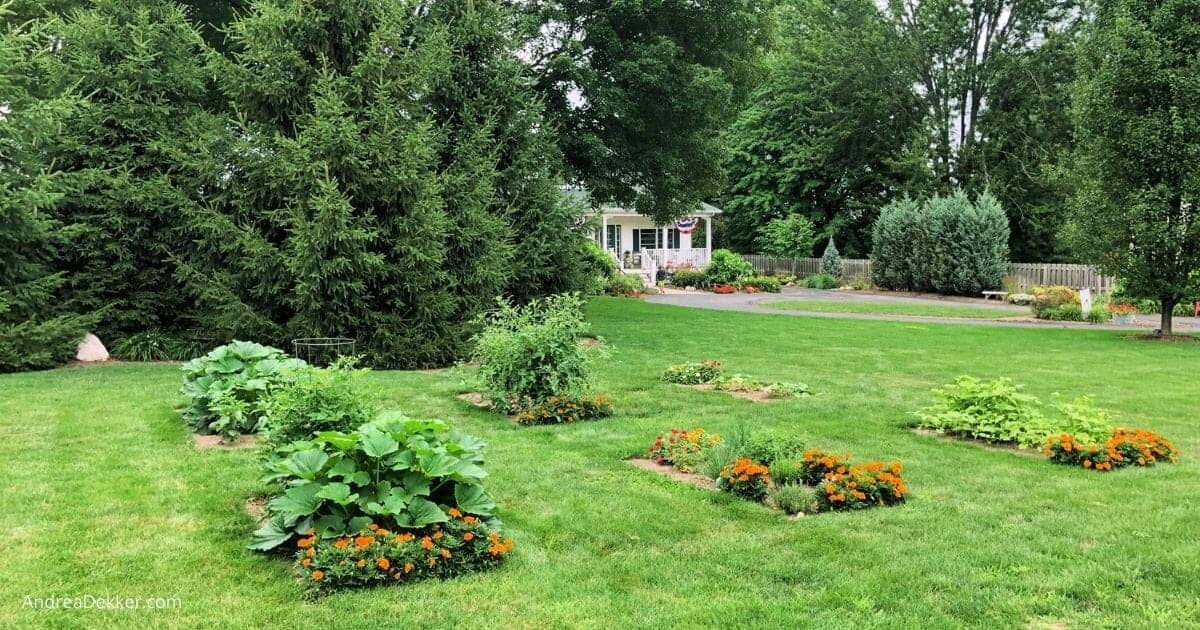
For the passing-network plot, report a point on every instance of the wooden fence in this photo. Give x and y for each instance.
(1024, 275)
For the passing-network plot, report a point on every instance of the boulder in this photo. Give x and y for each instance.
(91, 350)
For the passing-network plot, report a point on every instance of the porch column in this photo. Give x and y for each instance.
(707, 239)
(603, 231)
(664, 246)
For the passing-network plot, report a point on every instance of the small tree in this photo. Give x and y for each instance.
(897, 239)
(831, 260)
(789, 237)
(1137, 126)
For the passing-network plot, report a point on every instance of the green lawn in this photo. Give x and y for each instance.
(892, 308)
(103, 494)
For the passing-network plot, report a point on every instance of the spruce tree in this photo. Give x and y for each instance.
(35, 332)
(136, 151)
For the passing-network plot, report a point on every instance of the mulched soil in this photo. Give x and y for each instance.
(257, 509)
(755, 395)
(211, 442)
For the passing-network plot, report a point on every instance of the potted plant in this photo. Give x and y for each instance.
(1122, 313)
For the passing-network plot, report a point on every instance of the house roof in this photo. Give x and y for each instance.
(581, 198)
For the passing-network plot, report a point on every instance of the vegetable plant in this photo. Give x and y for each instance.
(228, 388)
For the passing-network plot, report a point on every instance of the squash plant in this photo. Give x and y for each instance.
(395, 472)
(228, 387)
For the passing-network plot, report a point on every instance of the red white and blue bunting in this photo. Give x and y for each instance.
(686, 225)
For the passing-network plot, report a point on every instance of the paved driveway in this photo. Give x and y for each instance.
(753, 303)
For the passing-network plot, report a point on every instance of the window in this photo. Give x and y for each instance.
(613, 238)
(651, 238)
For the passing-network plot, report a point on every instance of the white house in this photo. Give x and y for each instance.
(643, 247)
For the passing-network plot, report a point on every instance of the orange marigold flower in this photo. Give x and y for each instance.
(304, 543)
(363, 542)
(309, 553)
(341, 543)
(383, 563)
(408, 567)
(469, 520)
(305, 562)
(469, 536)
(432, 562)
(318, 575)
(361, 563)
(445, 552)
(426, 543)
(372, 526)
(1087, 463)
(454, 512)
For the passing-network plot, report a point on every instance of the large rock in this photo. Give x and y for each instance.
(91, 350)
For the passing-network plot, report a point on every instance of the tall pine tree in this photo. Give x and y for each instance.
(35, 331)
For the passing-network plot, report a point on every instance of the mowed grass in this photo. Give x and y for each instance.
(104, 495)
(893, 308)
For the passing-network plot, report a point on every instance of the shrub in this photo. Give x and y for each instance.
(599, 267)
(793, 499)
(766, 284)
(862, 486)
(789, 237)
(724, 289)
(626, 285)
(565, 410)
(683, 449)
(396, 472)
(948, 244)
(688, 278)
(726, 267)
(771, 447)
(860, 284)
(228, 388)
(693, 373)
(746, 479)
(153, 345)
(1020, 299)
(1099, 314)
(994, 411)
(1139, 447)
(529, 353)
(821, 281)
(831, 260)
(316, 400)
(817, 463)
(375, 555)
(1049, 302)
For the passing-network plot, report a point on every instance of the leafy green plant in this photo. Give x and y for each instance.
(395, 472)
(792, 498)
(726, 267)
(693, 372)
(688, 278)
(787, 471)
(994, 411)
(788, 237)
(565, 410)
(626, 284)
(335, 398)
(786, 390)
(228, 388)
(529, 353)
(1099, 314)
(1082, 420)
(821, 281)
(149, 345)
(766, 284)
(731, 447)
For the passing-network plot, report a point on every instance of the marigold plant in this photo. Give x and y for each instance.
(379, 556)
(1137, 447)
(566, 410)
(817, 463)
(863, 486)
(745, 478)
(682, 448)
(693, 372)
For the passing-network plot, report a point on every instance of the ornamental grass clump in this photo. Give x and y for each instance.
(529, 353)
(693, 372)
(1137, 447)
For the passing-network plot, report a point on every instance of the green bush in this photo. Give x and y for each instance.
(1056, 302)
(529, 353)
(335, 398)
(821, 281)
(1082, 420)
(727, 267)
(396, 473)
(688, 278)
(1099, 314)
(599, 266)
(789, 237)
(228, 388)
(948, 244)
(793, 498)
(626, 284)
(154, 345)
(693, 372)
(831, 260)
(770, 447)
(766, 284)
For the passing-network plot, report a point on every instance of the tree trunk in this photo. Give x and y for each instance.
(1168, 311)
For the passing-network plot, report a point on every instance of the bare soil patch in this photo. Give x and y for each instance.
(1007, 448)
(210, 442)
(699, 481)
(754, 395)
(256, 507)
(476, 398)
(589, 342)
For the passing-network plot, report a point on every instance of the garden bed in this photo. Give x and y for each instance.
(693, 479)
(754, 395)
(214, 442)
(994, 446)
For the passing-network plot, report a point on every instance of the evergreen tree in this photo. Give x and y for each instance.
(35, 332)
(831, 260)
(136, 151)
